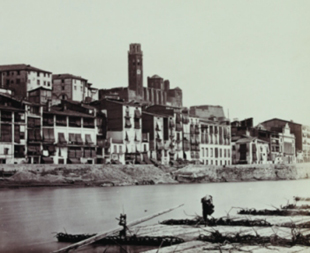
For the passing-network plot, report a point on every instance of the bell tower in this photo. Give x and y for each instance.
(135, 69)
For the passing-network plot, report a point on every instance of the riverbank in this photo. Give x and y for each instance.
(34, 175)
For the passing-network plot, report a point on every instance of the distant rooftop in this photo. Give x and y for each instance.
(156, 76)
(68, 76)
(12, 67)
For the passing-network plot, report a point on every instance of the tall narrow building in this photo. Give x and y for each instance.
(135, 70)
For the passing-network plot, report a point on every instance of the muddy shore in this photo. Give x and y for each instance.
(83, 175)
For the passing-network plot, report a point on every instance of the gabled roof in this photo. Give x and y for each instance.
(283, 120)
(12, 67)
(68, 76)
(40, 88)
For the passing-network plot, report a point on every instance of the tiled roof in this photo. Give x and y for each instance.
(68, 76)
(12, 67)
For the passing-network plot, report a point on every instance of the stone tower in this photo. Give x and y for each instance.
(135, 70)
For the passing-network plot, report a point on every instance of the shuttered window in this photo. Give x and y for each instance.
(6, 133)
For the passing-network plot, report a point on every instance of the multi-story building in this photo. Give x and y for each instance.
(173, 130)
(215, 145)
(12, 130)
(306, 143)
(250, 150)
(72, 133)
(277, 125)
(75, 88)
(21, 78)
(153, 125)
(124, 130)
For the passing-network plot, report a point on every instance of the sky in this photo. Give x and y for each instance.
(251, 57)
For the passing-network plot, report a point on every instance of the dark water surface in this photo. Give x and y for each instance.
(29, 216)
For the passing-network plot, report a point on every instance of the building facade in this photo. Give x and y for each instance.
(21, 78)
(75, 88)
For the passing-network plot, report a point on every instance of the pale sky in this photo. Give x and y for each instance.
(251, 57)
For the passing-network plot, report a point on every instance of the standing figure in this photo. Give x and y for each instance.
(207, 207)
(122, 222)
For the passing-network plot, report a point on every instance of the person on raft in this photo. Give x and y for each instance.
(207, 207)
(123, 223)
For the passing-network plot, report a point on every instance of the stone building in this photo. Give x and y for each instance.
(158, 91)
(21, 78)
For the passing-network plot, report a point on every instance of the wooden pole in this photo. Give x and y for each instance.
(106, 233)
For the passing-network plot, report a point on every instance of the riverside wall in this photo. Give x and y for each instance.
(121, 175)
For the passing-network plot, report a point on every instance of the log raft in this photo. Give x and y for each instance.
(282, 227)
(190, 234)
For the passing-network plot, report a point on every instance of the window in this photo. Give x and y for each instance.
(8, 82)
(220, 152)
(17, 81)
(211, 152)
(74, 87)
(48, 84)
(38, 73)
(38, 82)
(62, 80)
(63, 87)
(228, 152)
(206, 162)
(203, 152)
(6, 151)
(44, 83)
(207, 151)
(81, 88)
(18, 72)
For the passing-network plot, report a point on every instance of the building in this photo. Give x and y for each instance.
(40, 95)
(173, 130)
(72, 133)
(208, 112)
(277, 125)
(158, 91)
(75, 88)
(215, 144)
(13, 130)
(124, 131)
(250, 150)
(21, 78)
(306, 143)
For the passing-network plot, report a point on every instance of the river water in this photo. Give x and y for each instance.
(29, 216)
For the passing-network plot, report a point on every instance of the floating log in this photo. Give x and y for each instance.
(106, 233)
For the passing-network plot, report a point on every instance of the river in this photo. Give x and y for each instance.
(29, 216)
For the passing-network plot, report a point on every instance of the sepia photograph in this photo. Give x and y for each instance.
(154, 126)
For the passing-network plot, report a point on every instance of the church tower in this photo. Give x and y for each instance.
(135, 69)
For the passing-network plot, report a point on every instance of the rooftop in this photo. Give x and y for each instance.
(12, 67)
(68, 76)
